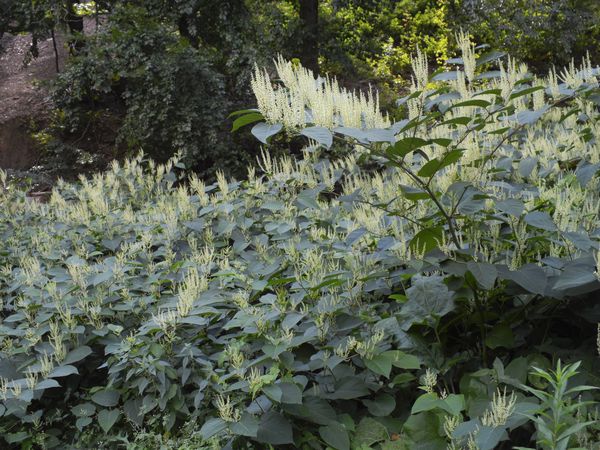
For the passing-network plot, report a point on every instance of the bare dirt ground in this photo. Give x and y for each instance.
(23, 97)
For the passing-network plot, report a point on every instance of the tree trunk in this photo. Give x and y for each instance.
(75, 24)
(309, 39)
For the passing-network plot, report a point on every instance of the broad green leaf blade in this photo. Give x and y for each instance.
(525, 91)
(348, 388)
(474, 102)
(540, 219)
(319, 134)
(381, 406)
(485, 273)
(380, 364)
(488, 438)
(500, 336)
(263, 131)
(404, 146)
(77, 354)
(106, 397)
(433, 166)
(243, 111)
(413, 194)
(212, 427)
(274, 429)
(336, 436)
(369, 432)
(63, 371)
(425, 402)
(246, 120)
(107, 418)
(428, 298)
(427, 240)
(247, 426)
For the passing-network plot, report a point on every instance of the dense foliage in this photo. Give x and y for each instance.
(541, 32)
(418, 292)
(165, 87)
(161, 76)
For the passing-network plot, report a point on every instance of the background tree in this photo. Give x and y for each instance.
(309, 39)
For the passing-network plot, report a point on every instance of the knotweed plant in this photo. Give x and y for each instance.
(302, 305)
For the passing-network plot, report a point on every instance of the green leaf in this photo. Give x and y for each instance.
(540, 219)
(445, 76)
(369, 432)
(242, 111)
(263, 131)
(106, 397)
(430, 168)
(133, 410)
(573, 429)
(586, 172)
(291, 393)
(381, 406)
(404, 360)
(488, 438)
(247, 426)
(274, 429)
(13, 438)
(273, 392)
(525, 91)
(63, 371)
(354, 133)
(246, 120)
(457, 121)
(511, 206)
(319, 134)
(47, 384)
(83, 410)
(530, 277)
(444, 142)
(428, 297)
(529, 117)
(490, 56)
(413, 194)
(107, 418)
(500, 336)
(380, 364)
(316, 410)
(308, 198)
(473, 102)
(574, 276)
(335, 435)
(484, 273)
(496, 92)
(77, 354)
(380, 135)
(404, 146)
(83, 422)
(465, 428)
(453, 404)
(212, 427)
(427, 240)
(348, 388)
(425, 402)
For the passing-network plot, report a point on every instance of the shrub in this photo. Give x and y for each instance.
(162, 94)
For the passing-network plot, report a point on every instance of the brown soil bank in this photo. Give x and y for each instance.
(23, 99)
(17, 149)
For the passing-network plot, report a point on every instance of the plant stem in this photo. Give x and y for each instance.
(481, 326)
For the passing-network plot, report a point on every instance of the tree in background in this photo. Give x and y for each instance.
(309, 40)
(542, 33)
(163, 75)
